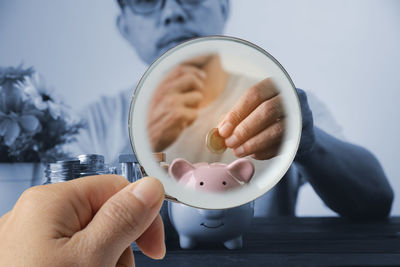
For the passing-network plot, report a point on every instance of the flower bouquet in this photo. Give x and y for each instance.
(33, 124)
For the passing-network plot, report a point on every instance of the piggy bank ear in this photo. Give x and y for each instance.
(241, 169)
(179, 167)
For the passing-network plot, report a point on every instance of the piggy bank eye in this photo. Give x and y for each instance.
(224, 183)
(201, 183)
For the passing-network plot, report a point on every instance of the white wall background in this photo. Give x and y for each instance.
(345, 52)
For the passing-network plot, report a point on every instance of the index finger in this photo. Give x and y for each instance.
(248, 102)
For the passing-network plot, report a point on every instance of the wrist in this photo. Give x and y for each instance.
(305, 156)
(306, 152)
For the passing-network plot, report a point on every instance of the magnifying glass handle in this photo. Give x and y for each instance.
(169, 198)
(141, 170)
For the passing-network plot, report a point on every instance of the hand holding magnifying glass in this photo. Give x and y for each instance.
(90, 221)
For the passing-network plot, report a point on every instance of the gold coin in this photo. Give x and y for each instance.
(215, 142)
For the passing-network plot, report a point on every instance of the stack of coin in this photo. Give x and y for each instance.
(62, 170)
(128, 162)
(112, 170)
(91, 164)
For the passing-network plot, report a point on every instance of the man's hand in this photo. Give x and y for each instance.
(255, 126)
(174, 105)
(90, 221)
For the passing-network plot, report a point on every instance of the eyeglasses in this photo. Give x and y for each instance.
(149, 6)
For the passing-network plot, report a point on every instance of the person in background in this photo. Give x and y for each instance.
(348, 178)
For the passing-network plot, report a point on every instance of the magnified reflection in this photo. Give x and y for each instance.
(205, 116)
(215, 177)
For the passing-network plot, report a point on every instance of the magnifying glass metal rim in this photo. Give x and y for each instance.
(188, 42)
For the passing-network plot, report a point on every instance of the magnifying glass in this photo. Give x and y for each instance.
(182, 97)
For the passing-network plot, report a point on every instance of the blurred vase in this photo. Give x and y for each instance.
(15, 178)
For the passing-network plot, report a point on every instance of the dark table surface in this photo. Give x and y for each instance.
(296, 242)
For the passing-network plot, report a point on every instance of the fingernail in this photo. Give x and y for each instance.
(231, 141)
(239, 151)
(225, 129)
(148, 191)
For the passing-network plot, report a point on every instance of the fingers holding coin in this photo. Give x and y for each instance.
(264, 145)
(265, 115)
(255, 125)
(247, 103)
(215, 142)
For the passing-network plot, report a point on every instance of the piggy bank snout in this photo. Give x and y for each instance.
(212, 214)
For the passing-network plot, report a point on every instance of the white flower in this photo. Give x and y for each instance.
(12, 124)
(37, 93)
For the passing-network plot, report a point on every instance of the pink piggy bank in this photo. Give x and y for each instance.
(214, 177)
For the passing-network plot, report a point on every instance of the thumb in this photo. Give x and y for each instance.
(124, 218)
